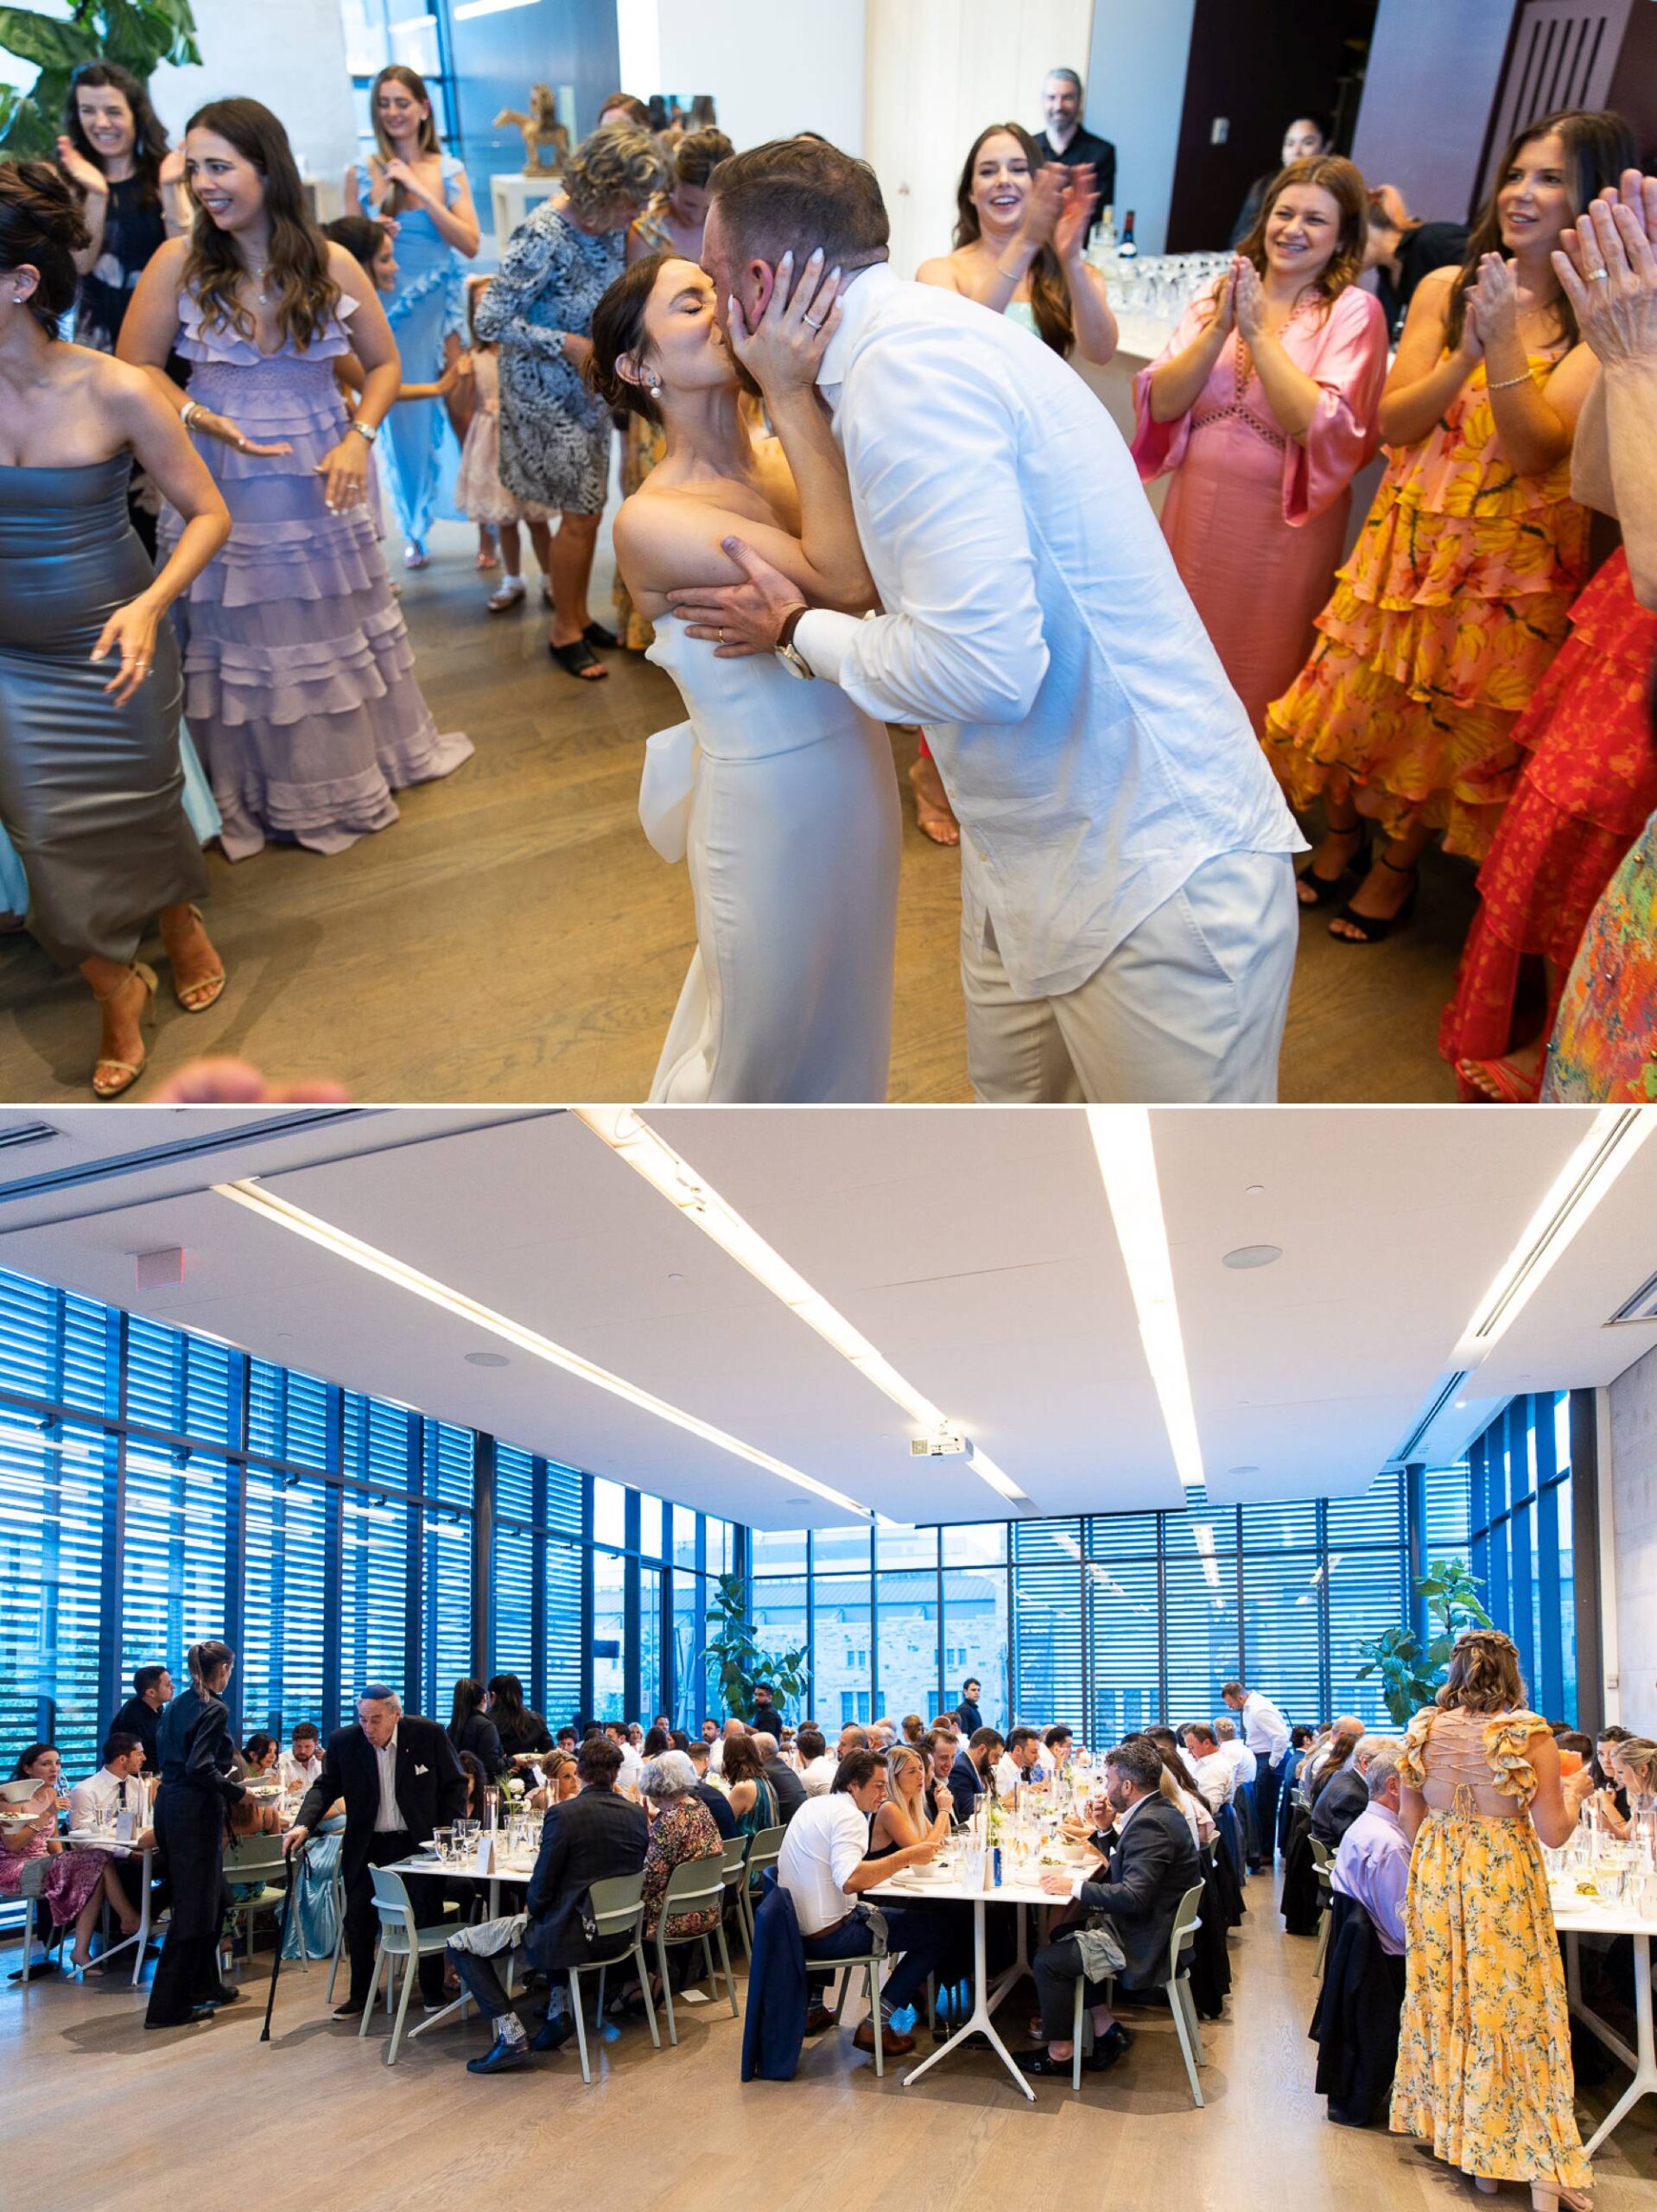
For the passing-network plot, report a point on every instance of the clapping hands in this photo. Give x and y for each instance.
(1609, 272)
(79, 169)
(1248, 299)
(1496, 299)
(1070, 229)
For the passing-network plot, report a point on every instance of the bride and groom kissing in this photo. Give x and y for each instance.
(945, 529)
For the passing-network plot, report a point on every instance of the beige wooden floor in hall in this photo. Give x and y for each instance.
(97, 2113)
(513, 936)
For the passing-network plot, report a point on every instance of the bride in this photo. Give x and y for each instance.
(780, 792)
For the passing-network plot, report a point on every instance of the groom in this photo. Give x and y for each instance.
(1129, 915)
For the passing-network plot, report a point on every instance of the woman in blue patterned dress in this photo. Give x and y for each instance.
(413, 184)
(554, 434)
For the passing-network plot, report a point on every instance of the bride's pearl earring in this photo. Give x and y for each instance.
(656, 383)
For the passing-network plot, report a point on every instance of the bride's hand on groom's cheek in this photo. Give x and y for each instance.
(784, 351)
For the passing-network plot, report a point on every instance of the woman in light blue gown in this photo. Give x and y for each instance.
(412, 183)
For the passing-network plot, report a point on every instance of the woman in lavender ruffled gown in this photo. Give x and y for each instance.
(299, 675)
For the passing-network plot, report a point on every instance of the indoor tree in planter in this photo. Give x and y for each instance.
(1409, 1677)
(139, 33)
(740, 1661)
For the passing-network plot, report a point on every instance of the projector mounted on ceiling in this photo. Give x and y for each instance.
(941, 1444)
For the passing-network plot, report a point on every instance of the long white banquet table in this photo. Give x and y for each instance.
(1615, 1920)
(426, 1864)
(88, 1841)
(909, 1889)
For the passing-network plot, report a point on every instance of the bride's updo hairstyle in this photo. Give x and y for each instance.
(619, 329)
(41, 228)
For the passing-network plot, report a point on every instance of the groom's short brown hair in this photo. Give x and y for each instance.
(800, 192)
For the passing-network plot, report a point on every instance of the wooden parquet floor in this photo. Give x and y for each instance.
(514, 937)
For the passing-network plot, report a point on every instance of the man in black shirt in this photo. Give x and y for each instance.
(152, 1689)
(1065, 140)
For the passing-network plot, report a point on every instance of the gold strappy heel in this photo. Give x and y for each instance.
(128, 1073)
(213, 985)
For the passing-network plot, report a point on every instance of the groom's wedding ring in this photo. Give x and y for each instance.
(722, 637)
(1595, 276)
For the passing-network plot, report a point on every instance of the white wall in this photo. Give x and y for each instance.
(1136, 92)
(774, 67)
(290, 53)
(1633, 1489)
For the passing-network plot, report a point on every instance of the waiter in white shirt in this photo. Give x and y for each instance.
(1265, 1733)
(117, 1792)
(1129, 916)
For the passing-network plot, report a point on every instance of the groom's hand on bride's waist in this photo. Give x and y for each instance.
(743, 618)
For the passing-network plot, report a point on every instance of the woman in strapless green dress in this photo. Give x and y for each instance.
(1018, 251)
(91, 784)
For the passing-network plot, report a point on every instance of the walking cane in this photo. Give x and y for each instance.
(282, 1942)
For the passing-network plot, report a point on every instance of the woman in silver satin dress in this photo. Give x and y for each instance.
(91, 786)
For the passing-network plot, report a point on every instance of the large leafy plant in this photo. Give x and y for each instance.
(139, 33)
(740, 1661)
(1410, 1678)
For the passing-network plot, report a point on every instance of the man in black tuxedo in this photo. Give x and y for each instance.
(400, 1779)
(1151, 1862)
(587, 1839)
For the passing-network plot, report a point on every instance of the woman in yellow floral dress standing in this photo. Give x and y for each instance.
(1484, 2043)
(1455, 595)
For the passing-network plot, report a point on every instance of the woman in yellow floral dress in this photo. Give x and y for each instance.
(1484, 2043)
(1455, 595)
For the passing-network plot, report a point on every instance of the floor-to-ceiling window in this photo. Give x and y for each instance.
(1522, 1544)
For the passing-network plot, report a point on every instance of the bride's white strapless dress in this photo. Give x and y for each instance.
(792, 840)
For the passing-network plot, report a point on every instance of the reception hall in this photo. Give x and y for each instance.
(1249, 693)
(816, 1688)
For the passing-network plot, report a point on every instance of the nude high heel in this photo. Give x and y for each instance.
(124, 1069)
(213, 985)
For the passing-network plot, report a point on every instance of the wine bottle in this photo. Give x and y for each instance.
(1127, 251)
(1105, 236)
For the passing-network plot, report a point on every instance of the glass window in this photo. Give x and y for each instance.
(1124, 1644)
(778, 1612)
(173, 1591)
(684, 1536)
(976, 1639)
(1369, 1592)
(839, 1551)
(561, 1693)
(1047, 1623)
(975, 1544)
(841, 1654)
(1200, 1601)
(373, 1596)
(905, 1547)
(908, 1644)
(649, 1527)
(776, 1551)
(54, 1481)
(721, 1546)
(284, 1602)
(609, 1680)
(650, 1700)
(689, 1637)
(1282, 1641)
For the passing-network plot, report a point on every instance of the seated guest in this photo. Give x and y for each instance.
(1300, 1740)
(1017, 1761)
(1235, 1753)
(1178, 1786)
(302, 1763)
(914, 1728)
(567, 1741)
(152, 1689)
(817, 1768)
(470, 1728)
(259, 1754)
(786, 1785)
(117, 1792)
(708, 1793)
(904, 1816)
(592, 1838)
(943, 1745)
(1123, 1921)
(1342, 1795)
(1356, 2022)
(710, 1734)
(727, 1734)
(1211, 1772)
(522, 1732)
(753, 1800)
(400, 1779)
(825, 1864)
(973, 1775)
(1056, 1752)
(1323, 1751)
(1336, 1773)
(560, 1779)
(657, 1740)
(77, 1882)
(682, 1829)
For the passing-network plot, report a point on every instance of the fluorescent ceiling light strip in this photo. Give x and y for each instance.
(1612, 1137)
(634, 1141)
(1127, 1162)
(391, 1269)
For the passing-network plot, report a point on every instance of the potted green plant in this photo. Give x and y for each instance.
(739, 1660)
(1410, 1678)
(139, 33)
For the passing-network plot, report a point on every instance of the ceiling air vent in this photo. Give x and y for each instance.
(19, 1133)
(1642, 1306)
(1411, 1446)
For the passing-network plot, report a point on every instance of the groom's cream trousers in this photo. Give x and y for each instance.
(1188, 1009)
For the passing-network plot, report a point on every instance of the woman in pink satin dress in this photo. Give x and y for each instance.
(1263, 407)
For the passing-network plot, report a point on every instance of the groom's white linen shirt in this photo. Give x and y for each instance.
(1094, 753)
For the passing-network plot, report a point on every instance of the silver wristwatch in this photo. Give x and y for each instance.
(369, 430)
(788, 652)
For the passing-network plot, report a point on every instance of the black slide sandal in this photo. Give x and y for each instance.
(605, 641)
(576, 657)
